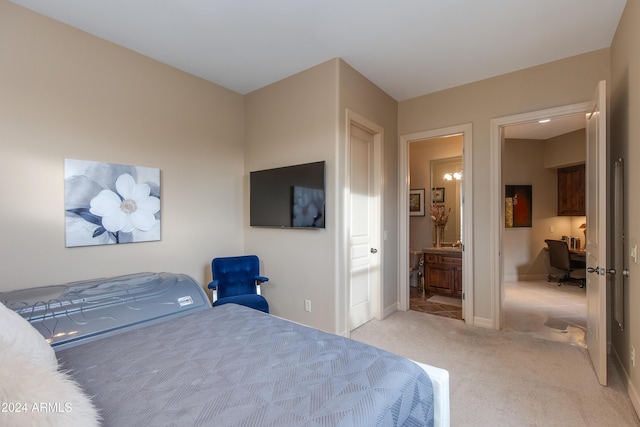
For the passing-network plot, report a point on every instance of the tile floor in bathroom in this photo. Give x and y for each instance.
(537, 308)
(419, 302)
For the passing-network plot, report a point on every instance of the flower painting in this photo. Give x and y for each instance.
(108, 203)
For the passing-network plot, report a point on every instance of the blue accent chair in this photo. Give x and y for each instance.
(236, 280)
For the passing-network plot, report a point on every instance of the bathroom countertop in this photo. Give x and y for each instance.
(442, 250)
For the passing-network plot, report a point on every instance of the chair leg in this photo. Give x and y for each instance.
(569, 279)
(556, 278)
(566, 278)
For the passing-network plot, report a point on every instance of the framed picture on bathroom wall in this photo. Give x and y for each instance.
(437, 195)
(416, 202)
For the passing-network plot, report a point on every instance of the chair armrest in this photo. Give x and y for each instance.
(261, 279)
(213, 284)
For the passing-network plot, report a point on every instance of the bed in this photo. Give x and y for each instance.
(150, 350)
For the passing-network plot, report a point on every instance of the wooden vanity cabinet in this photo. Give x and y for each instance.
(443, 272)
(571, 191)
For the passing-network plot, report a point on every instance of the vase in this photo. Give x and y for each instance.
(439, 235)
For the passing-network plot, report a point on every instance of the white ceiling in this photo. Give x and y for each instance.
(557, 126)
(406, 47)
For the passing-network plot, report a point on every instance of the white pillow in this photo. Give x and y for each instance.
(35, 395)
(17, 334)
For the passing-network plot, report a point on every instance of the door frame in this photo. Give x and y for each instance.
(496, 214)
(353, 118)
(467, 217)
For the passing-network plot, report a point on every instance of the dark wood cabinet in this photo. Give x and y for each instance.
(443, 271)
(571, 191)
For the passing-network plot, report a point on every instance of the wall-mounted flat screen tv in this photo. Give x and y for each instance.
(288, 197)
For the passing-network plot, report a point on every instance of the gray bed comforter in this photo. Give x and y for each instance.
(234, 366)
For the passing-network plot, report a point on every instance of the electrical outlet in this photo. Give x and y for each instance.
(634, 253)
(633, 356)
(307, 305)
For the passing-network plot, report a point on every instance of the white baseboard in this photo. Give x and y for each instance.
(389, 311)
(631, 390)
(633, 395)
(525, 277)
(483, 322)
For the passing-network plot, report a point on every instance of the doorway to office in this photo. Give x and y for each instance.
(534, 156)
(521, 249)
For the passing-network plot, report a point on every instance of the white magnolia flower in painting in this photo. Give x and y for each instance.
(130, 209)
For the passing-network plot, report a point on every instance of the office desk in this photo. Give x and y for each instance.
(579, 255)
(576, 252)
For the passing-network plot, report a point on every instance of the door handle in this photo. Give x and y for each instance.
(600, 271)
(374, 251)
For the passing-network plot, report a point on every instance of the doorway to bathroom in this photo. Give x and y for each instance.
(435, 223)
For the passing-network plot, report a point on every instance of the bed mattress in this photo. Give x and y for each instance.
(231, 365)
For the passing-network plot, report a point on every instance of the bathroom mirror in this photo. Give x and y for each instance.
(446, 189)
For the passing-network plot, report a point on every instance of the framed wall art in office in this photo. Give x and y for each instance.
(518, 206)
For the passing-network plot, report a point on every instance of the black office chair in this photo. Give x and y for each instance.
(560, 258)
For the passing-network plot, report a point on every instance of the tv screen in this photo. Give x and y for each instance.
(288, 197)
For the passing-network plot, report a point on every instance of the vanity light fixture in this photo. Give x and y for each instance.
(450, 176)
(544, 121)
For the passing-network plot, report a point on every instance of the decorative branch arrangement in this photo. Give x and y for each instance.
(439, 214)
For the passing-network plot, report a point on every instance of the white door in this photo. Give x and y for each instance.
(364, 255)
(596, 233)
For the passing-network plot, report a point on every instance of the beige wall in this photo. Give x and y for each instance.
(66, 94)
(568, 81)
(302, 119)
(367, 100)
(290, 122)
(523, 164)
(625, 137)
(565, 150)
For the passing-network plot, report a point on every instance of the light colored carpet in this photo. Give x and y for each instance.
(441, 299)
(500, 378)
(546, 310)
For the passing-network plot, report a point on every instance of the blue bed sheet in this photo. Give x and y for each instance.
(234, 366)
